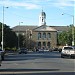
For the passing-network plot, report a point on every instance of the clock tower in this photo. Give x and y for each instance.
(42, 18)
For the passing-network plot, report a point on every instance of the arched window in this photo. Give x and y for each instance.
(48, 44)
(44, 35)
(39, 35)
(44, 44)
(49, 35)
(39, 44)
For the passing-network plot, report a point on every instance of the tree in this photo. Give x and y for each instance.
(21, 39)
(65, 37)
(26, 41)
(10, 38)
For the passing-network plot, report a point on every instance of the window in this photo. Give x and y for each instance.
(48, 44)
(39, 44)
(44, 44)
(42, 20)
(49, 35)
(39, 35)
(44, 35)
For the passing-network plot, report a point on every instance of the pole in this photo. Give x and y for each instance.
(2, 56)
(26, 38)
(73, 32)
(18, 40)
(19, 37)
(30, 37)
(2, 29)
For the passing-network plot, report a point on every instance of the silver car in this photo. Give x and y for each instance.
(68, 51)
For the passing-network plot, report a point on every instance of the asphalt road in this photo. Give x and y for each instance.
(34, 63)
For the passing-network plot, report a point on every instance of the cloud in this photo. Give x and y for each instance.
(64, 3)
(36, 4)
(19, 4)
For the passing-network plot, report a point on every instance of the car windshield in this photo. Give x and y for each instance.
(68, 48)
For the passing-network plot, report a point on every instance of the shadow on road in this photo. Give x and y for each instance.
(33, 72)
(21, 57)
(21, 70)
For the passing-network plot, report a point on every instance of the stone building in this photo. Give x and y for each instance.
(44, 36)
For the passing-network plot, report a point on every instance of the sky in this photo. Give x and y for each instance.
(26, 12)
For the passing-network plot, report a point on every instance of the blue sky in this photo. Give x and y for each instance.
(27, 11)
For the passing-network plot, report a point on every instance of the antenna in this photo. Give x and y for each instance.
(42, 8)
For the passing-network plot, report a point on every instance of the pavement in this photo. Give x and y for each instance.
(37, 71)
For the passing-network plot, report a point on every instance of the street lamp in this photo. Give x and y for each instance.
(18, 36)
(72, 27)
(28, 36)
(3, 28)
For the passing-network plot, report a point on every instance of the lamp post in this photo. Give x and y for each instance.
(3, 29)
(18, 36)
(28, 36)
(73, 32)
(72, 27)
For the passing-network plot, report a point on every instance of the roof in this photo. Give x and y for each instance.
(52, 28)
(23, 28)
(44, 28)
(43, 13)
(61, 28)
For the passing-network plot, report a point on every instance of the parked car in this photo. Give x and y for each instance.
(23, 50)
(68, 51)
(41, 50)
(56, 49)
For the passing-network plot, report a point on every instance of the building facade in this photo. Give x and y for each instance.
(44, 36)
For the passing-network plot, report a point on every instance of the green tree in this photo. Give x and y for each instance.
(26, 41)
(65, 37)
(10, 38)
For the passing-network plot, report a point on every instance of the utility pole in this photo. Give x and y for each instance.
(3, 29)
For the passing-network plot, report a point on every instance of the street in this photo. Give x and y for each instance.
(33, 63)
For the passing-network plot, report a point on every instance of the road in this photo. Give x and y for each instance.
(33, 63)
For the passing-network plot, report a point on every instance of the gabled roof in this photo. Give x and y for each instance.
(44, 28)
